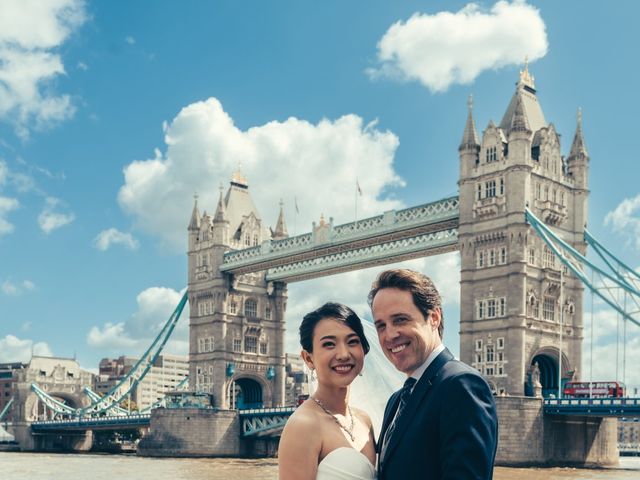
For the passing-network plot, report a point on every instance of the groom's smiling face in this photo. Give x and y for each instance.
(406, 336)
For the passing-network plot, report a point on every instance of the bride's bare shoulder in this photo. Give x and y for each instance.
(303, 419)
(300, 434)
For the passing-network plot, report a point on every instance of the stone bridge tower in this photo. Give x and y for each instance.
(510, 281)
(236, 329)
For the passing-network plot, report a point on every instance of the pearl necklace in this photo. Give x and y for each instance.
(348, 430)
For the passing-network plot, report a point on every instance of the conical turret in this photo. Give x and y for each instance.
(469, 137)
(578, 148)
(519, 121)
(578, 159)
(281, 228)
(194, 224)
(220, 215)
(469, 148)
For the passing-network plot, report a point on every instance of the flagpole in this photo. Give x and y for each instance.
(356, 203)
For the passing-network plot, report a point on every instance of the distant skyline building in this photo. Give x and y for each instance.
(7, 389)
(164, 376)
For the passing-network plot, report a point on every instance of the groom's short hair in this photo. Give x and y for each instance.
(425, 294)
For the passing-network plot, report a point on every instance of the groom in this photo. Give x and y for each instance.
(442, 424)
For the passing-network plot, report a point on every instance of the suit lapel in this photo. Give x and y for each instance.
(389, 412)
(419, 392)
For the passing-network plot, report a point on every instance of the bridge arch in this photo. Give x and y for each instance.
(546, 359)
(35, 409)
(247, 391)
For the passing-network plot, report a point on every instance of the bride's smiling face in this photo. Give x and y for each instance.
(338, 354)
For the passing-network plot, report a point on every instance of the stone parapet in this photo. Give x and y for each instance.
(528, 437)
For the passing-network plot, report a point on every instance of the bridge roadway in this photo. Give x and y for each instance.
(254, 422)
(394, 236)
(267, 421)
(600, 407)
(125, 422)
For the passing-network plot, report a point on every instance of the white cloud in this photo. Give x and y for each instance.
(625, 219)
(12, 349)
(318, 164)
(82, 66)
(448, 48)
(4, 172)
(133, 336)
(113, 236)
(12, 289)
(352, 289)
(111, 336)
(30, 32)
(6, 205)
(50, 220)
(130, 40)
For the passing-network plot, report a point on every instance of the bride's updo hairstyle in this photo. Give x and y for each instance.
(335, 311)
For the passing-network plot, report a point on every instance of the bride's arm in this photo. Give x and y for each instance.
(299, 449)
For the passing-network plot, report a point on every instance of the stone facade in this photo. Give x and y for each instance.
(61, 378)
(236, 339)
(510, 281)
(192, 432)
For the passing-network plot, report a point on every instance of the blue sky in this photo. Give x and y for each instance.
(112, 114)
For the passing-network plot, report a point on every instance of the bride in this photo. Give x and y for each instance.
(326, 437)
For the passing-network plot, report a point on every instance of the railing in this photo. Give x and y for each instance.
(264, 421)
(388, 222)
(90, 423)
(265, 411)
(592, 406)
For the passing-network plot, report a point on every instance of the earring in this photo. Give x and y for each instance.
(314, 376)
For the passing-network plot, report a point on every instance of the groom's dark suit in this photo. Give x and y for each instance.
(447, 430)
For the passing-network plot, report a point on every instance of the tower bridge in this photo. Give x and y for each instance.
(519, 226)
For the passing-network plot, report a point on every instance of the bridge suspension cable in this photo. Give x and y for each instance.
(606, 282)
(95, 397)
(162, 402)
(6, 408)
(118, 393)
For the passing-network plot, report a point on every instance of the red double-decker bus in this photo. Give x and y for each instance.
(594, 389)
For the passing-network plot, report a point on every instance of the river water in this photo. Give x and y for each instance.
(41, 466)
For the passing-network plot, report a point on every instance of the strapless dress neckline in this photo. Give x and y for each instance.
(345, 463)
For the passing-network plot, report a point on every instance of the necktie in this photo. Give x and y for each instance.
(405, 393)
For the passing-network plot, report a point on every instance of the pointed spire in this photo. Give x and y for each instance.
(519, 121)
(238, 178)
(526, 79)
(469, 137)
(578, 147)
(220, 215)
(281, 228)
(194, 224)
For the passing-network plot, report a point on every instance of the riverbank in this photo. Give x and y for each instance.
(43, 466)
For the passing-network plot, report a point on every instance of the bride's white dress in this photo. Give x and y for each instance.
(345, 463)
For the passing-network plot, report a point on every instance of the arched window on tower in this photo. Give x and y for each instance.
(549, 308)
(549, 258)
(251, 308)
